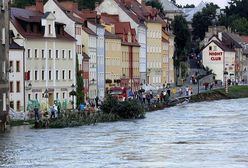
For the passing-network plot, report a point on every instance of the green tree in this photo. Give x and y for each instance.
(182, 42)
(189, 6)
(87, 4)
(202, 20)
(240, 25)
(80, 85)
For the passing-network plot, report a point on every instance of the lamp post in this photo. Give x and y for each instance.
(225, 79)
(73, 93)
(46, 96)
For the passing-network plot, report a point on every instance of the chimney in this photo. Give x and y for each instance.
(39, 6)
(220, 35)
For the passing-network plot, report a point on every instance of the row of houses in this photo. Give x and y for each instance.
(121, 43)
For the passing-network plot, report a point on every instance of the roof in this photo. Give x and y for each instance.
(109, 19)
(219, 44)
(138, 12)
(170, 7)
(14, 45)
(85, 56)
(189, 12)
(244, 38)
(32, 17)
(67, 9)
(232, 40)
(109, 35)
(88, 31)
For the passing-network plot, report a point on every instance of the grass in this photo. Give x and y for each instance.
(238, 91)
(14, 123)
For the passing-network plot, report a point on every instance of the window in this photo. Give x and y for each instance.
(11, 87)
(29, 96)
(63, 74)
(63, 95)
(11, 66)
(11, 104)
(3, 35)
(18, 86)
(57, 96)
(42, 75)
(69, 54)
(49, 53)
(215, 48)
(29, 53)
(57, 54)
(35, 53)
(35, 75)
(210, 48)
(36, 96)
(18, 105)
(69, 74)
(57, 74)
(42, 53)
(63, 54)
(17, 66)
(49, 75)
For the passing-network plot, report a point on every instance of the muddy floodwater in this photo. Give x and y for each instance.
(198, 135)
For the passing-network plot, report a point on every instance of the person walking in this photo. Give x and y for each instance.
(52, 110)
(97, 101)
(36, 114)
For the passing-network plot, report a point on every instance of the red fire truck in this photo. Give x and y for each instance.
(121, 93)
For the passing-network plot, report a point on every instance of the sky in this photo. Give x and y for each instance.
(220, 3)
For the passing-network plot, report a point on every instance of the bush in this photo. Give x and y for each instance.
(131, 109)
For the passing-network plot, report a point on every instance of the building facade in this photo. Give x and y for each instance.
(115, 7)
(16, 77)
(49, 62)
(219, 58)
(4, 66)
(89, 41)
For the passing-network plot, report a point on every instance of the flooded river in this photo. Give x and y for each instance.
(199, 135)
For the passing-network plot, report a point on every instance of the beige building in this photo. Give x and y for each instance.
(49, 61)
(113, 52)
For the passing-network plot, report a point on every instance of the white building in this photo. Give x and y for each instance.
(219, 58)
(99, 30)
(89, 41)
(16, 77)
(113, 7)
(49, 61)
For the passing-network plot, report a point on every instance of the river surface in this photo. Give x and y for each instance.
(198, 135)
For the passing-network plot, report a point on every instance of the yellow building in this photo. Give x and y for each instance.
(113, 53)
(154, 53)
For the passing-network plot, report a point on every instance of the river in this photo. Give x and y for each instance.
(198, 135)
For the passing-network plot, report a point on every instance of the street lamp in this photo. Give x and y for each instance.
(46, 96)
(225, 79)
(73, 93)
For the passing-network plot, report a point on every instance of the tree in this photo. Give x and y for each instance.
(87, 4)
(156, 4)
(80, 85)
(202, 20)
(189, 6)
(182, 41)
(240, 25)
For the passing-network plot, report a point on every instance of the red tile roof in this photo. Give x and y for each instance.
(122, 29)
(87, 30)
(245, 38)
(109, 19)
(22, 17)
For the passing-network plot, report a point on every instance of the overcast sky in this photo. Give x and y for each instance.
(220, 3)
